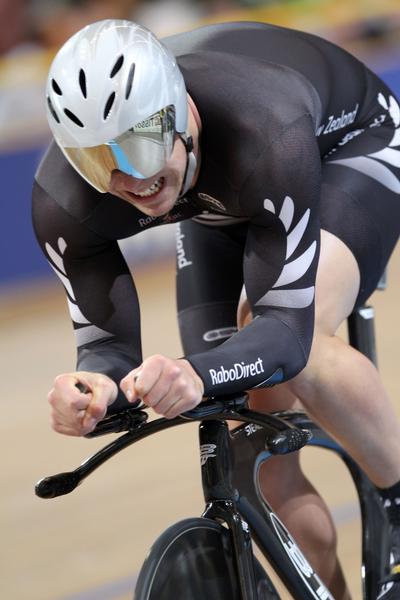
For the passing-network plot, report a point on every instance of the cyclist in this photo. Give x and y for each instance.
(278, 154)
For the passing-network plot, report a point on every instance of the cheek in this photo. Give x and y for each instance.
(175, 172)
(178, 156)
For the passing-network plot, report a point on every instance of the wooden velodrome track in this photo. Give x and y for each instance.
(89, 545)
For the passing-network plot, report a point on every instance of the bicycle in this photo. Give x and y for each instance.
(212, 556)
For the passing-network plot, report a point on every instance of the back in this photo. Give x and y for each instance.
(338, 79)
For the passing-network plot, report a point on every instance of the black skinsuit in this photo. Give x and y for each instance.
(297, 135)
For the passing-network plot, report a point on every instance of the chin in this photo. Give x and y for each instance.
(158, 207)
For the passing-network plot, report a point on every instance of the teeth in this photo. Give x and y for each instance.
(156, 187)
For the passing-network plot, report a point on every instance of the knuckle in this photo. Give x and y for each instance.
(190, 400)
(74, 404)
(158, 358)
(172, 374)
(175, 372)
(182, 388)
(60, 379)
(101, 382)
(194, 401)
(98, 411)
(195, 395)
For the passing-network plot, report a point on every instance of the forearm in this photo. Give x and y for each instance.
(110, 359)
(250, 357)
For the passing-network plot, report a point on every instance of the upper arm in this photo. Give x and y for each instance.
(279, 265)
(282, 249)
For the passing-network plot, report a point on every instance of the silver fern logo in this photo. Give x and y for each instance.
(88, 332)
(295, 269)
(375, 165)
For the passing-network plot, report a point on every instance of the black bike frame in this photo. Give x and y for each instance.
(230, 483)
(266, 528)
(240, 511)
(221, 499)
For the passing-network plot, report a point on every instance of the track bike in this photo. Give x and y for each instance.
(212, 556)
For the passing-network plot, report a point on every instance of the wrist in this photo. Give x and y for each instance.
(194, 375)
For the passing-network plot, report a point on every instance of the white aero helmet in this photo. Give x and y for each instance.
(115, 100)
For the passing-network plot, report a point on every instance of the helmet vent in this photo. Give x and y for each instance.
(56, 87)
(73, 117)
(108, 105)
(82, 82)
(51, 109)
(129, 83)
(117, 66)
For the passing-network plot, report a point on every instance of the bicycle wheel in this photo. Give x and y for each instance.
(194, 559)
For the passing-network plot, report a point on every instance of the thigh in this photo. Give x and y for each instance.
(337, 284)
(360, 219)
(336, 288)
(360, 202)
(209, 280)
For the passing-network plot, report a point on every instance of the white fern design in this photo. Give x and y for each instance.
(88, 333)
(371, 164)
(295, 269)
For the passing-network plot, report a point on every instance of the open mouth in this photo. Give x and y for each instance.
(151, 191)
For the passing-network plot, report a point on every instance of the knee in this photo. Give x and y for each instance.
(322, 358)
(243, 314)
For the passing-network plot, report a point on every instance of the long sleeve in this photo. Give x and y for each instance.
(101, 295)
(279, 268)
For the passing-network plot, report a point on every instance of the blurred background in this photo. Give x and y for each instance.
(32, 30)
(89, 546)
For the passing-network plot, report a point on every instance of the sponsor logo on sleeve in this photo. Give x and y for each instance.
(237, 372)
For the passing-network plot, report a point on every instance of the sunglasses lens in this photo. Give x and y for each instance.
(142, 151)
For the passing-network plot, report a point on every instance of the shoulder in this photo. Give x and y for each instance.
(271, 59)
(247, 89)
(57, 183)
(56, 177)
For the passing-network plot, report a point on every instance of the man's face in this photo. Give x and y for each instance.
(156, 195)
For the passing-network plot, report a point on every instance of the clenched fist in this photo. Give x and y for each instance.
(169, 386)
